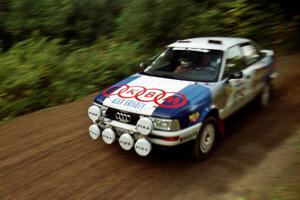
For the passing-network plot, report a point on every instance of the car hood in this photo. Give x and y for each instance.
(157, 97)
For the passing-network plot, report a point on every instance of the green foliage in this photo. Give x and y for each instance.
(152, 22)
(37, 73)
(26, 72)
(55, 51)
(68, 19)
(266, 24)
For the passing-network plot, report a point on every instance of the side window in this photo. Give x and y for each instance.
(234, 61)
(250, 53)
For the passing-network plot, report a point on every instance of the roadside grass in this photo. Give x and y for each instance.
(291, 191)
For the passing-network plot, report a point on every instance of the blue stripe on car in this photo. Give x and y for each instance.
(199, 100)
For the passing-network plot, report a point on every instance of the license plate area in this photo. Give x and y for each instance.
(121, 131)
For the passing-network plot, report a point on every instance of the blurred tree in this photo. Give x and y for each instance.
(4, 36)
(241, 18)
(153, 22)
(83, 21)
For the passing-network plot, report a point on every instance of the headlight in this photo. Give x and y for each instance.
(166, 124)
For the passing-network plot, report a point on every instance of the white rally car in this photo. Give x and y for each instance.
(183, 94)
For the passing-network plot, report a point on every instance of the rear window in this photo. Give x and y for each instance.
(250, 53)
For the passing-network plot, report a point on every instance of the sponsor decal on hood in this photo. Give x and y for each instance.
(144, 94)
(158, 97)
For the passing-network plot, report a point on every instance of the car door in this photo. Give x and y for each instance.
(233, 89)
(254, 72)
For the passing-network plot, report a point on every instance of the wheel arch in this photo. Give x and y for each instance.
(214, 112)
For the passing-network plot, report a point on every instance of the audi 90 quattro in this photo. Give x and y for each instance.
(183, 94)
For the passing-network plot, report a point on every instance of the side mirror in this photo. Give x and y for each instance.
(142, 64)
(235, 75)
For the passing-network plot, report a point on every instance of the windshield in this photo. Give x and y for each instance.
(201, 65)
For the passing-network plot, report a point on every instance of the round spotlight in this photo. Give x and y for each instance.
(94, 131)
(144, 126)
(142, 147)
(94, 113)
(108, 136)
(126, 141)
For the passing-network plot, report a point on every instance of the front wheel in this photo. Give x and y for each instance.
(206, 139)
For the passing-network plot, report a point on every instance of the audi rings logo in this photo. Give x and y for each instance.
(158, 96)
(123, 117)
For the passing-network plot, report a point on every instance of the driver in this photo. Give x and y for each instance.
(185, 66)
(209, 61)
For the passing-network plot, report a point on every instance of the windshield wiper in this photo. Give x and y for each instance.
(145, 73)
(172, 76)
(164, 75)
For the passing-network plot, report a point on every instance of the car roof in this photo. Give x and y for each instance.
(216, 43)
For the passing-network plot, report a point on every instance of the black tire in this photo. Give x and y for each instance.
(200, 151)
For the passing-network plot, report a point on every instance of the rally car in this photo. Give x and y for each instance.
(184, 94)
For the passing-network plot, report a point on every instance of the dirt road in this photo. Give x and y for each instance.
(49, 155)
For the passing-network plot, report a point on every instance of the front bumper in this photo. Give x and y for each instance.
(139, 136)
(164, 138)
